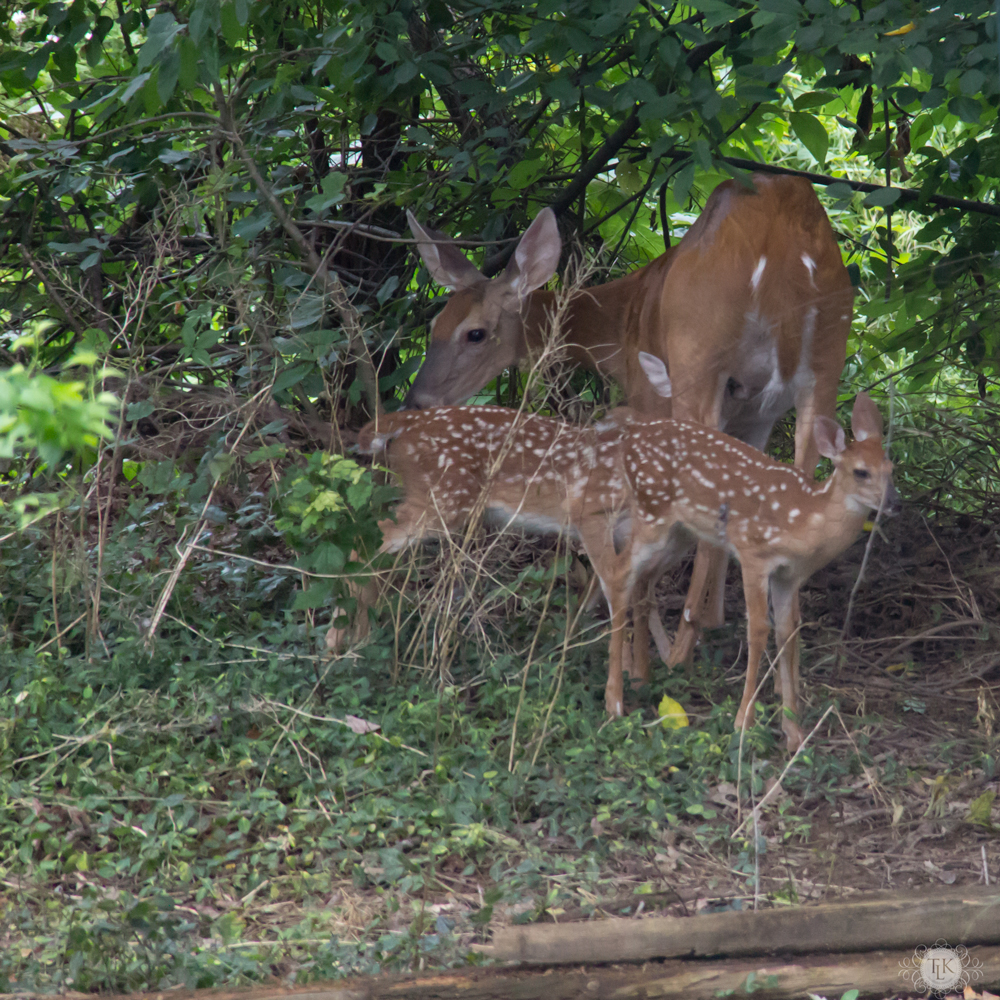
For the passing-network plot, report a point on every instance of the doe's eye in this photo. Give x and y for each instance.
(475, 336)
(862, 474)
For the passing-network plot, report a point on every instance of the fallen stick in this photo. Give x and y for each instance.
(966, 917)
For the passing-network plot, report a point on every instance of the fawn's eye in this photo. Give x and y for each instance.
(862, 474)
(475, 336)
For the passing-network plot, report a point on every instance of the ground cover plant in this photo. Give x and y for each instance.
(206, 288)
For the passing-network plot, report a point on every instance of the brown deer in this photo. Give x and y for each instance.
(750, 313)
(688, 482)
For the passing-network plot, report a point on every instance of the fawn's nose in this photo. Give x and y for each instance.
(893, 502)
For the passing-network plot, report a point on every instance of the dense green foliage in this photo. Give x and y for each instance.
(174, 176)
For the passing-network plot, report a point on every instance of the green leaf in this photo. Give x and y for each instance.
(522, 175)
(405, 72)
(159, 35)
(252, 225)
(151, 96)
(716, 12)
(208, 64)
(333, 192)
(966, 108)
(188, 75)
(629, 178)
(166, 78)
(232, 30)
(204, 17)
(290, 376)
(136, 411)
(683, 180)
(702, 154)
(971, 82)
(883, 198)
(134, 87)
(981, 809)
(814, 99)
(220, 464)
(811, 133)
(920, 129)
(840, 191)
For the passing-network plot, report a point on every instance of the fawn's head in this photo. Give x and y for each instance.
(479, 332)
(863, 470)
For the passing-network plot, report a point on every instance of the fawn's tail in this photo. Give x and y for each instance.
(374, 436)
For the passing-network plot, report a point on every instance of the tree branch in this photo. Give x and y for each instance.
(587, 173)
(330, 282)
(906, 194)
(695, 59)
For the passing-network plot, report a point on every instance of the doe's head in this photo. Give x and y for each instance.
(479, 332)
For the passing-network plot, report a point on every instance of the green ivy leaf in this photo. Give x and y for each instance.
(332, 187)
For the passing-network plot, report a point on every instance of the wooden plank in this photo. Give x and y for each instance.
(874, 974)
(967, 917)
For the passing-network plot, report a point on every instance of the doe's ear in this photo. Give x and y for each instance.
(829, 436)
(656, 372)
(537, 255)
(447, 264)
(866, 421)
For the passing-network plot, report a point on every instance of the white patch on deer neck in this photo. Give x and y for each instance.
(810, 267)
(758, 273)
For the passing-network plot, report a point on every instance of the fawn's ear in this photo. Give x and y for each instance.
(447, 264)
(829, 437)
(537, 255)
(656, 372)
(866, 421)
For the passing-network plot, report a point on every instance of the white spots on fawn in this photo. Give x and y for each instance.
(792, 514)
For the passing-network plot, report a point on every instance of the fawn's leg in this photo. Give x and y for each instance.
(755, 594)
(641, 609)
(614, 691)
(612, 569)
(785, 601)
(708, 577)
(406, 529)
